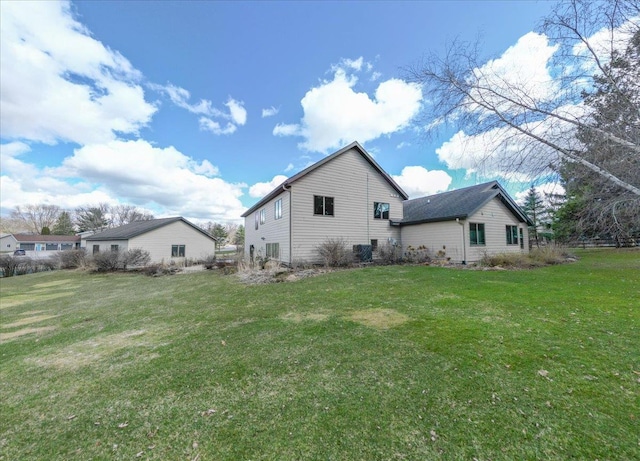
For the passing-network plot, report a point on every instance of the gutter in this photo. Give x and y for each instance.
(464, 246)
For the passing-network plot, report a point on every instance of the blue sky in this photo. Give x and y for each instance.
(199, 108)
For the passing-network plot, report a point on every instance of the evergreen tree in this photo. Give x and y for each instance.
(64, 225)
(239, 237)
(534, 207)
(220, 234)
(45, 231)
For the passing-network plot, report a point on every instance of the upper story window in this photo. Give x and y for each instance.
(322, 205)
(512, 235)
(476, 233)
(278, 209)
(263, 216)
(380, 210)
(257, 219)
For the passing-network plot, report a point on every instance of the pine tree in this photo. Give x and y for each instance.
(63, 225)
(533, 206)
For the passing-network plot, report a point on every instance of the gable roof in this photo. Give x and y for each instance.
(136, 228)
(354, 145)
(460, 203)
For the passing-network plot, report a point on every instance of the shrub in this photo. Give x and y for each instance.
(10, 265)
(535, 258)
(417, 255)
(334, 252)
(72, 259)
(390, 253)
(110, 261)
(135, 257)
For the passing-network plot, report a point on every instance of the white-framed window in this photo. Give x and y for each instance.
(257, 219)
(476, 233)
(273, 250)
(177, 251)
(512, 235)
(380, 210)
(322, 205)
(263, 216)
(96, 249)
(114, 248)
(277, 209)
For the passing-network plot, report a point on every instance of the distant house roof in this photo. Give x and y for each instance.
(354, 145)
(460, 203)
(38, 238)
(136, 228)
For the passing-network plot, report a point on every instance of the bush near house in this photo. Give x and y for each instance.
(334, 252)
(109, 261)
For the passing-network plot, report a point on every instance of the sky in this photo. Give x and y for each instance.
(199, 108)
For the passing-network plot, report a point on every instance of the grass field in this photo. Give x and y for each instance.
(382, 363)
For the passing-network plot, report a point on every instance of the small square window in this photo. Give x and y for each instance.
(380, 210)
(322, 205)
(177, 251)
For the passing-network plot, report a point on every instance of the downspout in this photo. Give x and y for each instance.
(284, 188)
(367, 212)
(464, 246)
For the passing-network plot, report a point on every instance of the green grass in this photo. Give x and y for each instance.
(380, 363)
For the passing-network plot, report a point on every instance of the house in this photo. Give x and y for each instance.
(346, 195)
(37, 242)
(465, 224)
(166, 239)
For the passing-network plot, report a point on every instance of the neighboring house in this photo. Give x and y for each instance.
(8, 243)
(167, 239)
(346, 195)
(466, 224)
(37, 242)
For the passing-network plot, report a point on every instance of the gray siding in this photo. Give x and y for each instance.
(495, 217)
(438, 236)
(448, 235)
(355, 185)
(105, 245)
(272, 231)
(158, 242)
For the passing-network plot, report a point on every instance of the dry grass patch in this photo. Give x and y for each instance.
(298, 317)
(380, 319)
(33, 297)
(28, 320)
(93, 350)
(25, 331)
(52, 284)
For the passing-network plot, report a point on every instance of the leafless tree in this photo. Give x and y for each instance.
(125, 214)
(531, 131)
(36, 217)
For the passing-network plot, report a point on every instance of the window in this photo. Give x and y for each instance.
(114, 248)
(521, 238)
(263, 216)
(322, 205)
(273, 250)
(278, 209)
(476, 233)
(512, 235)
(177, 251)
(374, 245)
(257, 219)
(51, 246)
(380, 210)
(96, 249)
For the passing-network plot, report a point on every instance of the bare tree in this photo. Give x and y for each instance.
(526, 130)
(125, 214)
(36, 217)
(92, 217)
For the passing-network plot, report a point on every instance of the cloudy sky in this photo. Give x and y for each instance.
(199, 108)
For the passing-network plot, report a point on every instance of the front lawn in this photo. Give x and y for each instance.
(383, 363)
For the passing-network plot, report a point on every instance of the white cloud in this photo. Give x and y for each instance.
(289, 167)
(270, 112)
(336, 114)
(545, 190)
(207, 124)
(417, 181)
(260, 189)
(237, 110)
(46, 83)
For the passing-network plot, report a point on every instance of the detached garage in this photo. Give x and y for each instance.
(166, 239)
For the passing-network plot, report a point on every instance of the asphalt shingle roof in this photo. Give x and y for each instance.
(460, 203)
(139, 227)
